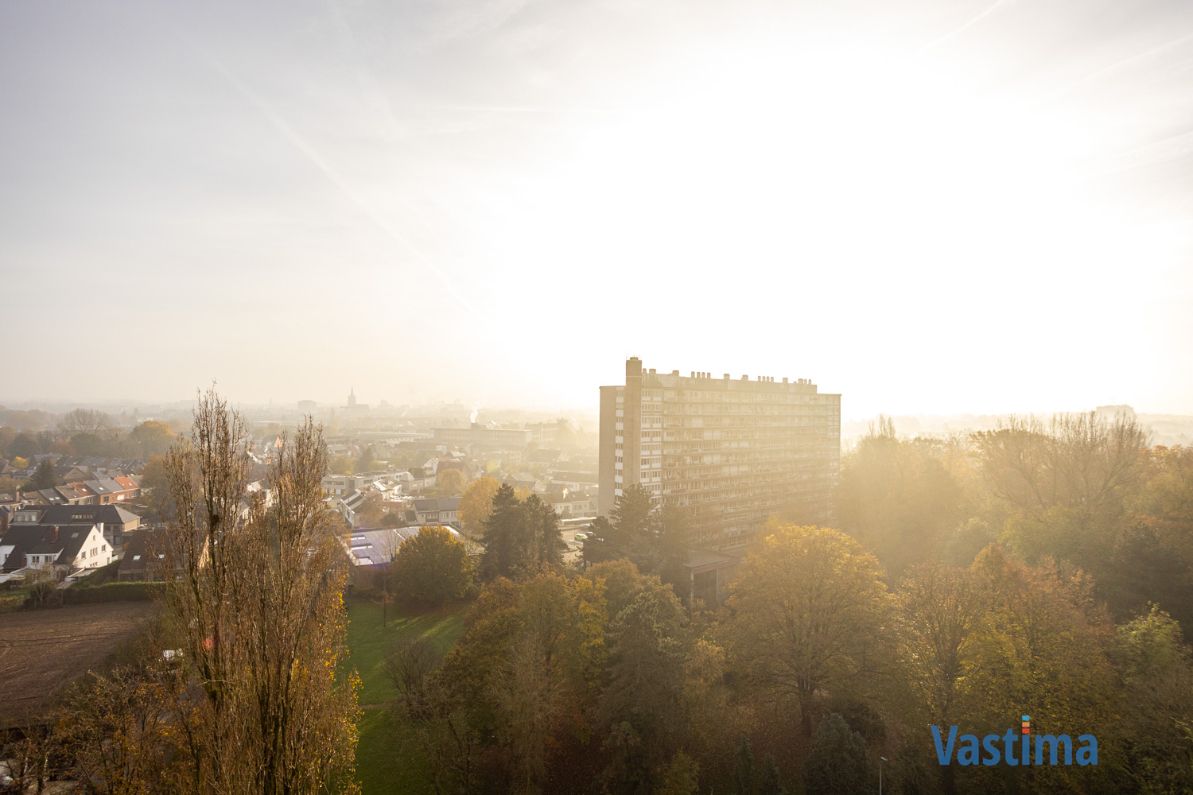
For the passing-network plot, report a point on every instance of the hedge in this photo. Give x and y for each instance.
(112, 592)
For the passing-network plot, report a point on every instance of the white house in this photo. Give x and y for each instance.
(61, 548)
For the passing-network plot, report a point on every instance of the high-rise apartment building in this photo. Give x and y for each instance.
(733, 452)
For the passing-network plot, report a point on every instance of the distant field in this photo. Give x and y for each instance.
(43, 651)
(387, 757)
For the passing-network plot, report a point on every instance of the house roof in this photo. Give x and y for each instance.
(142, 549)
(126, 483)
(428, 504)
(75, 491)
(102, 486)
(65, 514)
(50, 496)
(39, 539)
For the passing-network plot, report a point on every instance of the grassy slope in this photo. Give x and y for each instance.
(387, 757)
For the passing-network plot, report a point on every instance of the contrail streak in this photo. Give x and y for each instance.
(958, 31)
(1121, 64)
(333, 176)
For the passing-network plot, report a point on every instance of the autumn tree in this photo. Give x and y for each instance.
(940, 618)
(810, 615)
(1041, 648)
(1153, 557)
(941, 610)
(432, 568)
(118, 733)
(156, 491)
(450, 482)
(151, 438)
(525, 672)
(253, 586)
(898, 498)
(371, 511)
(1156, 667)
(477, 503)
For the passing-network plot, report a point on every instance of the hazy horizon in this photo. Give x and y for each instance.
(922, 208)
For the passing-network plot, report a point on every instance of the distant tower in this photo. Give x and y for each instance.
(352, 397)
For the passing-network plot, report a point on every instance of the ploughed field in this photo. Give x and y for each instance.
(43, 651)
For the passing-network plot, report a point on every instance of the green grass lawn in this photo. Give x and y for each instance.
(387, 757)
(12, 600)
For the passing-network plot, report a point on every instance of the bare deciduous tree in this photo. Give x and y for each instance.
(84, 421)
(257, 594)
(1079, 461)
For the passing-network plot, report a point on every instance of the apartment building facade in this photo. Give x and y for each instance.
(732, 452)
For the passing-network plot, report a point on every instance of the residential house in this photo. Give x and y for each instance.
(350, 506)
(44, 497)
(130, 487)
(73, 473)
(106, 490)
(77, 493)
(436, 510)
(113, 521)
(342, 485)
(570, 503)
(143, 557)
(57, 548)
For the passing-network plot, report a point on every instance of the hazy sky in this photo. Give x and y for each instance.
(929, 207)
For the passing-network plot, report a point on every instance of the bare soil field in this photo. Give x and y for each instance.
(43, 651)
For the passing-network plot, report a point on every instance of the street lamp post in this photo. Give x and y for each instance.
(881, 759)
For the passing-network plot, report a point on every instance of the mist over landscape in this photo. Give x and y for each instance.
(596, 396)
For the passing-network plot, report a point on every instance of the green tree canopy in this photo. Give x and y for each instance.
(838, 763)
(432, 568)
